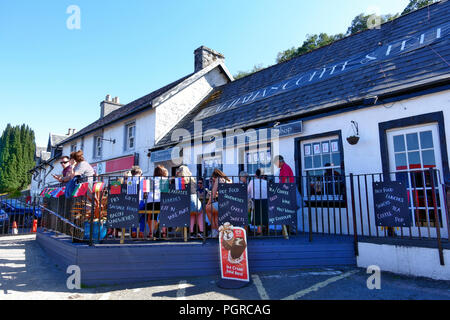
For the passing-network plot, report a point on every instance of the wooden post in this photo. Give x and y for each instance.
(285, 233)
(122, 236)
(185, 229)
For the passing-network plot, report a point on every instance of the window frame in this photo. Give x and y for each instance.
(98, 141)
(320, 201)
(128, 125)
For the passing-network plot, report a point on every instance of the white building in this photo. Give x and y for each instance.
(123, 134)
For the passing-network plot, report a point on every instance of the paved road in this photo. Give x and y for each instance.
(26, 273)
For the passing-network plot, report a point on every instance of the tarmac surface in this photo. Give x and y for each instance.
(26, 273)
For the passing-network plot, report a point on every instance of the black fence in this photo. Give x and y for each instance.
(19, 215)
(326, 204)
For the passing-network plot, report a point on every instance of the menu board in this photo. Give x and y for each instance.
(391, 204)
(123, 208)
(175, 208)
(233, 204)
(282, 204)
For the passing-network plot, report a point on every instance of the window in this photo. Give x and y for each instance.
(322, 170)
(98, 146)
(130, 136)
(73, 148)
(211, 163)
(258, 159)
(412, 152)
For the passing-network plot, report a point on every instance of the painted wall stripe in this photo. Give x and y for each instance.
(319, 285)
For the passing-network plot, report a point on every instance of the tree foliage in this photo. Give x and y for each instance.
(360, 23)
(417, 4)
(17, 151)
(242, 74)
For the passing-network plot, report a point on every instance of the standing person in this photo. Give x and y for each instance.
(212, 207)
(136, 172)
(196, 206)
(286, 176)
(202, 191)
(261, 202)
(244, 178)
(154, 198)
(286, 173)
(67, 170)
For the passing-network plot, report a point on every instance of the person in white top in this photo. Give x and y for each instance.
(260, 199)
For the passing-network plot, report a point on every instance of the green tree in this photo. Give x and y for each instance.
(417, 4)
(362, 22)
(311, 43)
(17, 150)
(242, 74)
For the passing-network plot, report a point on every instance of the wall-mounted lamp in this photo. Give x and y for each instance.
(113, 141)
(276, 124)
(354, 137)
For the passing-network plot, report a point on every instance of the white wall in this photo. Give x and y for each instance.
(411, 261)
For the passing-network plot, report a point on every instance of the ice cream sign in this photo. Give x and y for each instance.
(233, 253)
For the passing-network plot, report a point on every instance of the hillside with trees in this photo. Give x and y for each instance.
(315, 41)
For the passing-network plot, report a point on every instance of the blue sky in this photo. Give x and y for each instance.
(53, 78)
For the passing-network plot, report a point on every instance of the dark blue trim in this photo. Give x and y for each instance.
(412, 121)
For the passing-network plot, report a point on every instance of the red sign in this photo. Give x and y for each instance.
(233, 253)
(119, 164)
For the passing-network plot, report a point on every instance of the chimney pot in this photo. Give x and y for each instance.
(205, 56)
(108, 98)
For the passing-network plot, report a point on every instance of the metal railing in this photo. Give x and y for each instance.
(18, 215)
(328, 204)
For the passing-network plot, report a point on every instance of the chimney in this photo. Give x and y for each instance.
(107, 106)
(69, 131)
(205, 56)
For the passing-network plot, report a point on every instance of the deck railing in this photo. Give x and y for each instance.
(328, 203)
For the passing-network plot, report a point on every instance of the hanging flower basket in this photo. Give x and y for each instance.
(353, 140)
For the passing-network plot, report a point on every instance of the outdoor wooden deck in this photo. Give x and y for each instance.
(138, 262)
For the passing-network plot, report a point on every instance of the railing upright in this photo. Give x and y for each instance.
(308, 192)
(355, 229)
(436, 218)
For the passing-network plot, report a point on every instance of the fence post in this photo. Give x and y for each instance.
(308, 193)
(355, 227)
(91, 225)
(436, 218)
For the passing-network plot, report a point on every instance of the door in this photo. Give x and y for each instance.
(412, 152)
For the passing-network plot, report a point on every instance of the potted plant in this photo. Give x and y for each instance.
(354, 138)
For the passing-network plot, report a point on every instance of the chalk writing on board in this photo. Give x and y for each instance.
(282, 204)
(391, 204)
(233, 204)
(175, 208)
(123, 210)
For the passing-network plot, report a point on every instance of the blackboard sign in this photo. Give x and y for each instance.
(123, 209)
(175, 208)
(282, 204)
(391, 204)
(233, 204)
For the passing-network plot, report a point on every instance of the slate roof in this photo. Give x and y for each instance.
(407, 70)
(128, 109)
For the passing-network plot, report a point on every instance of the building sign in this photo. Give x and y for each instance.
(262, 135)
(120, 164)
(233, 253)
(115, 165)
(165, 155)
(382, 53)
(391, 204)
